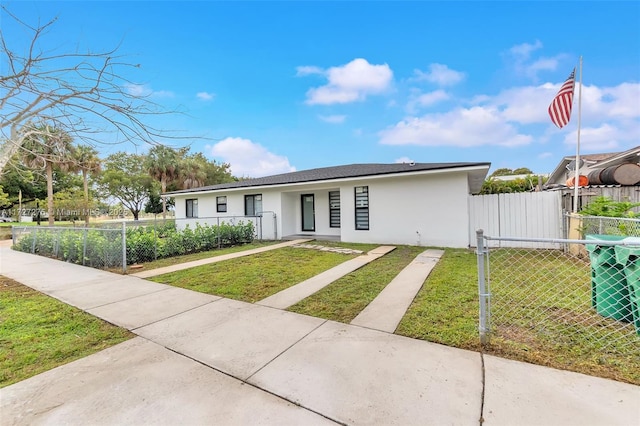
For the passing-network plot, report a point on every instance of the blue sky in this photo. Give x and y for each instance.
(281, 86)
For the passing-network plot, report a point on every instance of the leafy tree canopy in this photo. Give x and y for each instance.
(508, 172)
(126, 179)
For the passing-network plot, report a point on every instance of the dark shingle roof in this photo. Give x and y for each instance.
(330, 173)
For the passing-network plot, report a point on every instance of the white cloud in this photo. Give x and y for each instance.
(427, 99)
(144, 91)
(524, 50)
(603, 138)
(348, 83)
(205, 96)
(357, 132)
(463, 127)
(404, 160)
(333, 119)
(440, 74)
(524, 64)
(529, 104)
(308, 70)
(544, 155)
(610, 120)
(249, 159)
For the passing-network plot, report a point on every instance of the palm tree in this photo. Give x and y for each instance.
(87, 161)
(192, 173)
(45, 147)
(162, 163)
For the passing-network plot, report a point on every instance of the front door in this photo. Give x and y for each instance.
(308, 213)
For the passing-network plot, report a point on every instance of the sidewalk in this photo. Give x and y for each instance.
(385, 312)
(203, 359)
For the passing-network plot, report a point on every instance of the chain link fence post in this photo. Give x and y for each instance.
(482, 289)
(84, 245)
(124, 247)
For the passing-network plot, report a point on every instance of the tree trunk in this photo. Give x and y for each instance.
(86, 197)
(9, 147)
(49, 167)
(163, 183)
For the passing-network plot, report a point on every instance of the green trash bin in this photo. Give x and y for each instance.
(628, 257)
(609, 290)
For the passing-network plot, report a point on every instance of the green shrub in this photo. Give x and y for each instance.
(144, 243)
(605, 206)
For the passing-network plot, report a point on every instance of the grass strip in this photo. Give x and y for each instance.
(252, 278)
(160, 263)
(38, 333)
(445, 310)
(345, 298)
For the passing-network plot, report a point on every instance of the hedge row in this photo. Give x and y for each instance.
(103, 248)
(146, 244)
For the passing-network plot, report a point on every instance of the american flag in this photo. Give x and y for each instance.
(560, 108)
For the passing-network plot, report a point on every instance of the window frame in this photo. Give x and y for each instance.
(333, 209)
(359, 190)
(254, 196)
(193, 210)
(219, 204)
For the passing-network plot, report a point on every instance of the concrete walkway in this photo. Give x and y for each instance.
(292, 295)
(385, 312)
(200, 359)
(214, 259)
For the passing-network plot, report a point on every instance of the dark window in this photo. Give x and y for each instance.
(192, 207)
(221, 204)
(334, 209)
(362, 207)
(252, 205)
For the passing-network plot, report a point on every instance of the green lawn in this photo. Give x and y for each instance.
(542, 313)
(343, 299)
(160, 263)
(535, 317)
(255, 277)
(445, 310)
(38, 333)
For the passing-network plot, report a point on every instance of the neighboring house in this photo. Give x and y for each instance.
(601, 169)
(590, 163)
(418, 203)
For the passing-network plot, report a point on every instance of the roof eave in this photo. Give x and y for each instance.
(474, 166)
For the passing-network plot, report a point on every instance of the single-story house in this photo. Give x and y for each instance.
(422, 204)
(592, 166)
(614, 175)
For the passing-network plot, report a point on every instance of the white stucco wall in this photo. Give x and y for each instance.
(427, 210)
(207, 213)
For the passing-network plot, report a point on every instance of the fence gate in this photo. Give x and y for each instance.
(517, 215)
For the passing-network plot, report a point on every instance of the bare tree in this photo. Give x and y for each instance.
(87, 98)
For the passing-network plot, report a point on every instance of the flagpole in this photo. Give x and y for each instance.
(576, 182)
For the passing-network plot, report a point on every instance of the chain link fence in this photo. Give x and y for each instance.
(95, 247)
(581, 300)
(609, 226)
(118, 244)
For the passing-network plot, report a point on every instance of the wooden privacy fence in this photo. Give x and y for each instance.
(517, 215)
